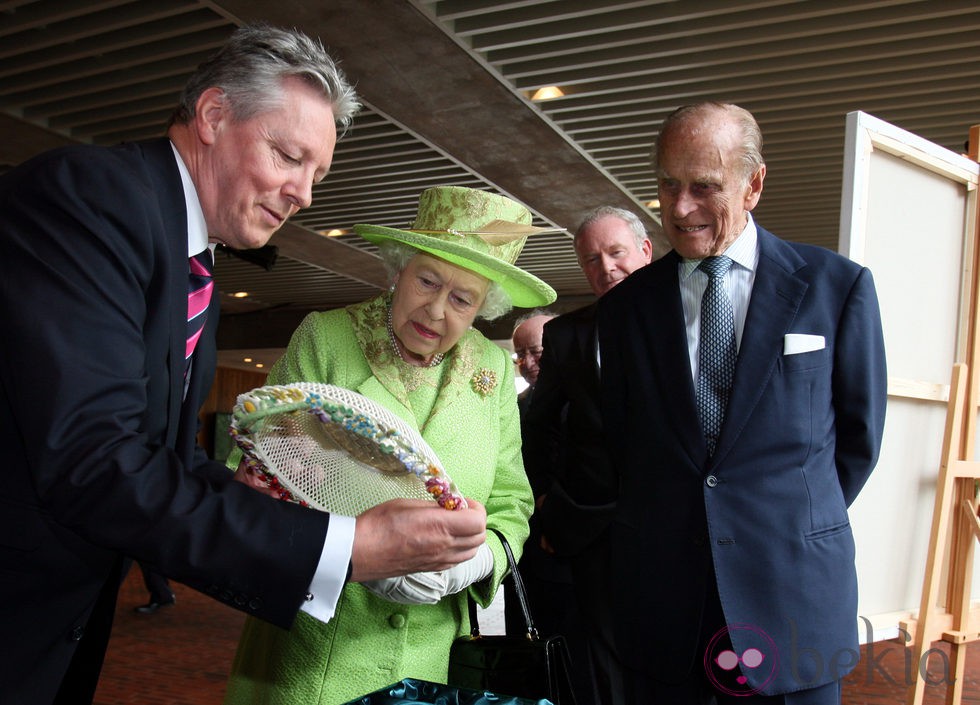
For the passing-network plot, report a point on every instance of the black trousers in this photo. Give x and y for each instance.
(157, 585)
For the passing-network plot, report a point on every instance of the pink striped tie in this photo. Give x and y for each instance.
(199, 290)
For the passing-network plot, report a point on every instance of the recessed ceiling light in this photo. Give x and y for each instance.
(240, 294)
(259, 364)
(335, 232)
(246, 359)
(654, 204)
(547, 93)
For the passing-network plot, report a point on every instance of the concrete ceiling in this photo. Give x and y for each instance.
(446, 86)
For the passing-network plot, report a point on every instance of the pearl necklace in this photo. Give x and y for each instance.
(436, 359)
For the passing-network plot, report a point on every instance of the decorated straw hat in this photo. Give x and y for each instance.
(333, 449)
(475, 230)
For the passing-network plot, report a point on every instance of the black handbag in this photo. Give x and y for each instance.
(527, 666)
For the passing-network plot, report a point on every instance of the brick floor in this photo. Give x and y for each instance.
(181, 656)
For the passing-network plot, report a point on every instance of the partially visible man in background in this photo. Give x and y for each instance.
(546, 581)
(610, 244)
(526, 341)
(573, 481)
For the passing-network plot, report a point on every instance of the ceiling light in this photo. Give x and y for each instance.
(240, 294)
(654, 204)
(259, 364)
(246, 359)
(547, 93)
(335, 232)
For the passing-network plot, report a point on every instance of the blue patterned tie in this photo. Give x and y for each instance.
(716, 350)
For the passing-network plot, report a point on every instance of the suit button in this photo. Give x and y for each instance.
(254, 604)
(77, 633)
(397, 621)
(711, 481)
(241, 600)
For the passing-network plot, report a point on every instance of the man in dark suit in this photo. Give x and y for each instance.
(98, 406)
(546, 579)
(733, 557)
(563, 453)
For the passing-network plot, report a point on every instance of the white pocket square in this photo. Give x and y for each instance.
(796, 343)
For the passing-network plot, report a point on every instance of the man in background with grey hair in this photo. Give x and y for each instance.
(573, 482)
(526, 341)
(108, 350)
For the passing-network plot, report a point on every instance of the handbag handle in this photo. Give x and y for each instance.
(515, 574)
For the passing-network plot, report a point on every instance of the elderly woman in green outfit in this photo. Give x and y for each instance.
(413, 349)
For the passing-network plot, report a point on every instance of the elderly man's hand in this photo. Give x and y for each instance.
(412, 535)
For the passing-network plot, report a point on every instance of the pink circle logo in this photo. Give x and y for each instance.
(726, 669)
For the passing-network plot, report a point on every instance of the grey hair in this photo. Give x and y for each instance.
(525, 317)
(631, 219)
(251, 67)
(396, 255)
(750, 151)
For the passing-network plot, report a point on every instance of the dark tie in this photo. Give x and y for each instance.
(199, 290)
(716, 350)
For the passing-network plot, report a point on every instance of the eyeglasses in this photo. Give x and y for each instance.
(520, 355)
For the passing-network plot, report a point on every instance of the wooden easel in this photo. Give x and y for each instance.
(955, 522)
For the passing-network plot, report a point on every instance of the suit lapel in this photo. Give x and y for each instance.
(665, 341)
(587, 345)
(162, 165)
(465, 358)
(776, 297)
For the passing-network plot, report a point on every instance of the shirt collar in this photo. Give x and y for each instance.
(744, 251)
(197, 229)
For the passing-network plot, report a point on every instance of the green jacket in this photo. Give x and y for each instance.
(475, 430)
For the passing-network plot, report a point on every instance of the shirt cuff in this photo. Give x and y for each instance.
(331, 573)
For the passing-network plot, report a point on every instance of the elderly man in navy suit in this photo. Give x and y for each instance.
(743, 395)
(103, 256)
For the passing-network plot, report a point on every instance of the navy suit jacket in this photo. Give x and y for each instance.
(563, 451)
(100, 459)
(767, 514)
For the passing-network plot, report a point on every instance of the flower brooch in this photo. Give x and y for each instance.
(484, 381)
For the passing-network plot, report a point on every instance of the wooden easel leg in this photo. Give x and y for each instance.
(926, 630)
(965, 521)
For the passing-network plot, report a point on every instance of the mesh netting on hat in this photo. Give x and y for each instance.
(336, 450)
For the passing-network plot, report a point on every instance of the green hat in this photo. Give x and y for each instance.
(475, 230)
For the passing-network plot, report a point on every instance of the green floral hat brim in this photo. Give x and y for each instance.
(525, 289)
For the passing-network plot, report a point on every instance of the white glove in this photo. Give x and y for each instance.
(430, 587)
